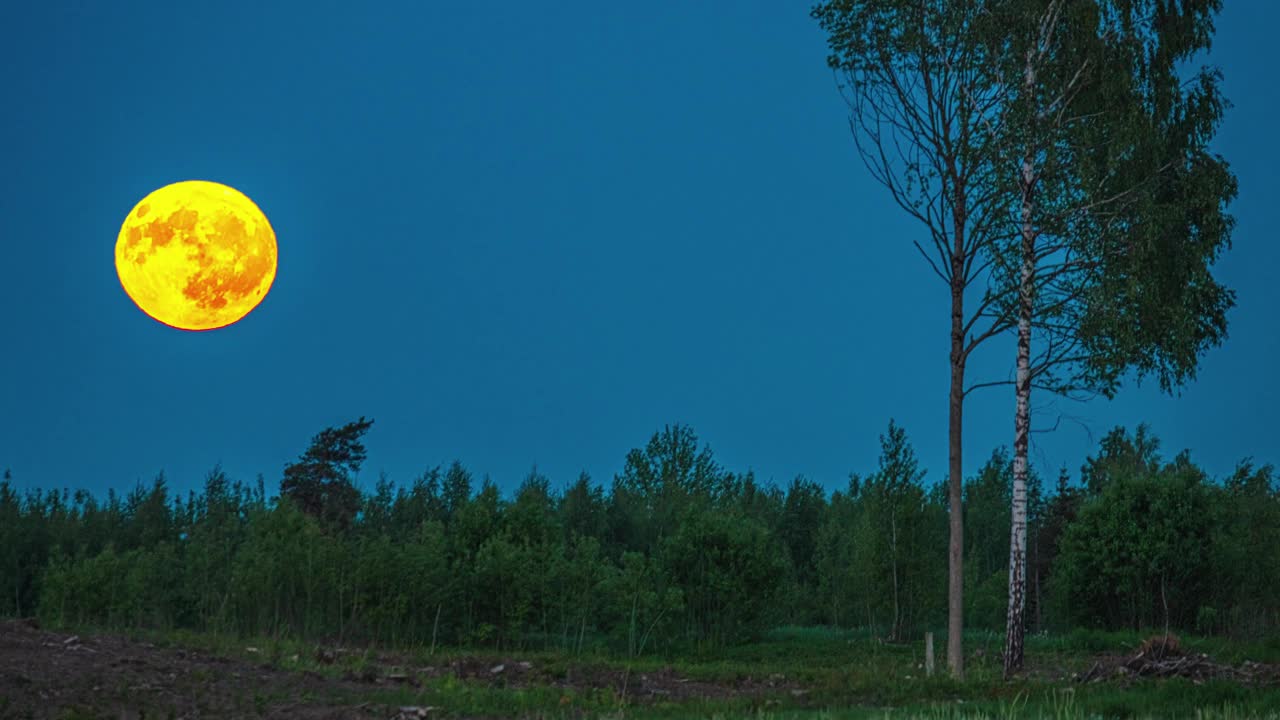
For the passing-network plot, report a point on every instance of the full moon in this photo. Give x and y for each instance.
(196, 255)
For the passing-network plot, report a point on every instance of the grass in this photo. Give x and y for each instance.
(840, 674)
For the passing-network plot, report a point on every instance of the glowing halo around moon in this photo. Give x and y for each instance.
(196, 255)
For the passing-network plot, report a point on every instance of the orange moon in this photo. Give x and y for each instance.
(196, 255)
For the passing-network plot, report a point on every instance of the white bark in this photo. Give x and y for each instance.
(1022, 429)
(1015, 618)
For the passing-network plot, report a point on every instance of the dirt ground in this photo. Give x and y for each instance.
(53, 675)
(47, 674)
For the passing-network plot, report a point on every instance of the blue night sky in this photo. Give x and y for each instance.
(519, 233)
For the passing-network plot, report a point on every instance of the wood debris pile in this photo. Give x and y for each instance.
(1163, 657)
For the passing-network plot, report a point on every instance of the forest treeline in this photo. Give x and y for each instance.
(676, 552)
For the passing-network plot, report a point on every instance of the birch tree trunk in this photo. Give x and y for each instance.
(1015, 618)
(1016, 623)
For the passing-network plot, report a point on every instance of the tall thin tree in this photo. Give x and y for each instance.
(923, 91)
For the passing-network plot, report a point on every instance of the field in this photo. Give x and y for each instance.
(793, 673)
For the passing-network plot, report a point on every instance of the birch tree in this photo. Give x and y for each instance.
(1120, 211)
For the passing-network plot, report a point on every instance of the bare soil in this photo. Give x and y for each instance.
(53, 675)
(46, 674)
(661, 684)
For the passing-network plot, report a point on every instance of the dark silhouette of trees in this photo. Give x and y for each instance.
(547, 567)
(320, 480)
